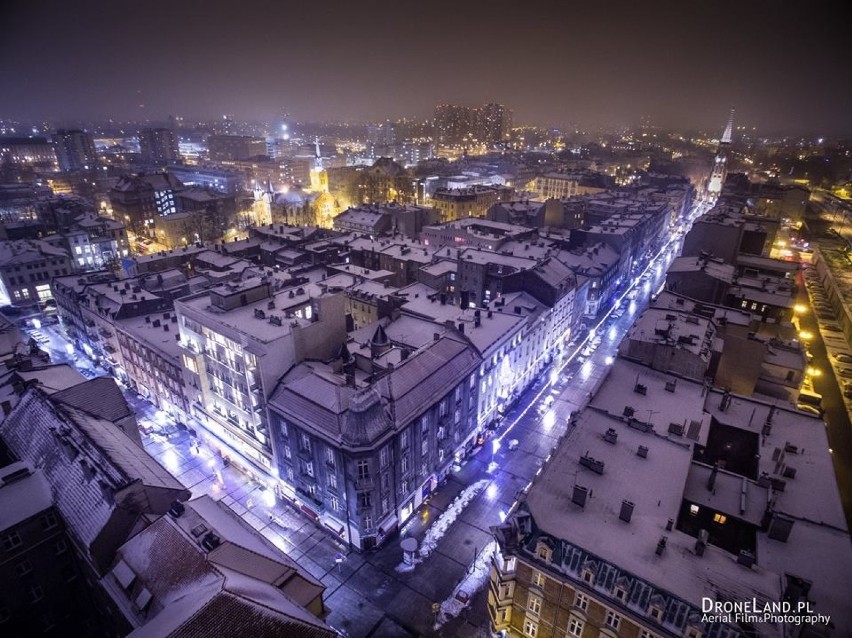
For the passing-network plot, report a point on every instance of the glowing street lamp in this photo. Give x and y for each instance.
(800, 309)
(806, 335)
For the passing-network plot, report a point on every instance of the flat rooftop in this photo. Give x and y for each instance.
(655, 486)
(659, 406)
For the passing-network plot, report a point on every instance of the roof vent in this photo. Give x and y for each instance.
(177, 509)
(746, 558)
(642, 451)
(610, 436)
(701, 543)
(676, 429)
(210, 541)
(593, 464)
(626, 511)
(661, 545)
(580, 495)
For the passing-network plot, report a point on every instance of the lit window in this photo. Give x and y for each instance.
(693, 510)
(720, 518)
(581, 601)
(538, 579)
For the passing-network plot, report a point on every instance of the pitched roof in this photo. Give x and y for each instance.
(100, 397)
(312, 394)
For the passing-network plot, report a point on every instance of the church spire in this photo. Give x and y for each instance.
(729, 130)
(317, 155)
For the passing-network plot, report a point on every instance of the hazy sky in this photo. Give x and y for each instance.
(783, 65)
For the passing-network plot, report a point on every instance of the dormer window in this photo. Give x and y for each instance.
(588, 577)
(543, 551)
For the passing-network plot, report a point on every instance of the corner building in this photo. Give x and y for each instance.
(363, 440)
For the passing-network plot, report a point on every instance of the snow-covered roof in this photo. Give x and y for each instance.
(93, 468)
(654, 485)
(313, 394)
(23, 494)
(235, 584)
(100, 397)
(658, 405)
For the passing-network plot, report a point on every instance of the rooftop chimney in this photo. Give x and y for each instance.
(711, 480)
(626, 511)
(580, 495)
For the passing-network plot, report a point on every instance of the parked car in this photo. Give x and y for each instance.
(846, 373)
(809, 409)
(847, 390)
(843, 357)
(831, 327)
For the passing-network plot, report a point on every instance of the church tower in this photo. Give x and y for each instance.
(720, 162)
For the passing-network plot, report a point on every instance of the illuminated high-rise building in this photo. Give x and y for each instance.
(720, 162)
(454, 124)
(158, 145)
(75, 150)
(495, 123)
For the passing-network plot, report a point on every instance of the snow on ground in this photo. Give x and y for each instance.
(437, 530)
(469, 585)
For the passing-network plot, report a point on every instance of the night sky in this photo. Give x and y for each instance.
(785, 66)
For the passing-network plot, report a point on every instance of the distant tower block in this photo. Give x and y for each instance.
(720, 162)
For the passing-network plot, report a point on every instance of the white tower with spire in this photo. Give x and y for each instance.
(720, 162)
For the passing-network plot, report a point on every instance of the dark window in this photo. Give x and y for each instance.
(12, 540)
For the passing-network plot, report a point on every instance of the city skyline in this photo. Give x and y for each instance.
(679, 66)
